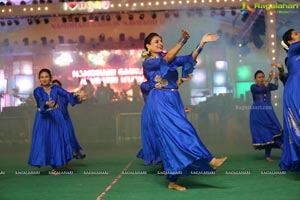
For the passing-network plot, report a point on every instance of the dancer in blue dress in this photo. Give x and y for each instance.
(63, 106)
(50, 143)
(180, 147)
(149, 152)
(290, 159)
(265, 128)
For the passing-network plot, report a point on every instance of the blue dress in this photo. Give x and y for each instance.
(290, 159)
(63, 106)
(149, 152)
(50, 143)
(264, 125)
(180, 147)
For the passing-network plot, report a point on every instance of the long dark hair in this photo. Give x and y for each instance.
(149, 38)
(47, 71)
(258, 72)
(57, 81)
(287, 36)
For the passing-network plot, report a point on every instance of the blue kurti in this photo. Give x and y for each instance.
(179, 146)
(264, 125)
(290, 159)
(63, 106)
(50, 136)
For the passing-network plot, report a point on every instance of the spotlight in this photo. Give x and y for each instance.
(9, 22)
(84, 19)
(142, 16)
(167, 15)
(130, 16)
(122, 37)
(61, 39)
(76, 18)
(107, 17)
(119, 18)
(16, 22)
(199, 11)
(42, 1)
(81, 39)
(189, 13)
(102, 37)
(142, 36)
(44, 40)
(2, 3)
(102, 17)
(26, 41)
(8, 3)
(233, 12)
(64, 19)
(2, 23)
(70, 18)
(213, 12)
(96, 18)
(35, 2)
(91, 18)
(46, 20)
(22, 3)
(29, 21)
(222, 12)
(176, 14)
(153, 15)
(37, 21)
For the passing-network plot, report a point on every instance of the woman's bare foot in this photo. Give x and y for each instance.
(175, 186)
(54, 172)
(217, 162)
(269, 159)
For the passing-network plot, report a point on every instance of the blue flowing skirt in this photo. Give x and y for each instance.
(178, 142)
(290, 159)
(265, 126)
(50, 143)
(149, 152)
(74, 142)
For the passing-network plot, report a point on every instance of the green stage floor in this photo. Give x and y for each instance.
(245, 175)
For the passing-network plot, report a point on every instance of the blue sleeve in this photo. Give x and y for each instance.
(145, 87)
(156, 64)
(272, 86)
(40, 101)
(68, 95)
(187, 62)
(258, 89)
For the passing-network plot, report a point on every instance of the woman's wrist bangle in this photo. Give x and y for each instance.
(182, 41)
(281, 69)
(198, 49)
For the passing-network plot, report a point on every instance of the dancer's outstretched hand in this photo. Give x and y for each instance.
(277, 65)
(208, 37)
(185, 34)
